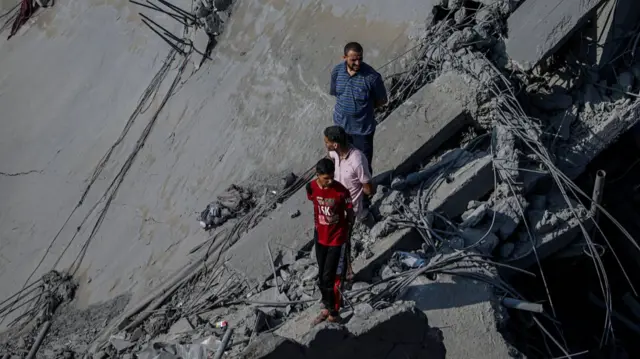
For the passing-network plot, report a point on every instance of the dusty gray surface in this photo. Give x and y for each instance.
(400, 331)
(595, 132)
(72, 77)
(538, 27)
(612, 20)
(419, 126)
(462, 309)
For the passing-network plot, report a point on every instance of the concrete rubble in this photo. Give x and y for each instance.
(473, 159)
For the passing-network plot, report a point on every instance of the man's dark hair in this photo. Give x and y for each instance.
(336, 134)
(325, 167)
(353, 46)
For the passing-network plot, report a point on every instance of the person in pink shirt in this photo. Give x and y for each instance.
(351, 168)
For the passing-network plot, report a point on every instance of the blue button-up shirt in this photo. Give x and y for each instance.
(355, 98)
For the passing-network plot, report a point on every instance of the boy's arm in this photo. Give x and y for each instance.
(309, 191)
(351, 217)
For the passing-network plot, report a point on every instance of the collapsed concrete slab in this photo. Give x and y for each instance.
(594, 133)
(469, 182)
(539, 27)
(554, 225)
(613, 19)
(464, 310)
(405, 139)
(400, 331)
(422, 124)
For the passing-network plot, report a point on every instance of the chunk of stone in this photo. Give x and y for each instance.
(181, 326)
(482, 239)
(310, 274)
(382, 229)
(389, 202)
(120, 344)
(472, 217)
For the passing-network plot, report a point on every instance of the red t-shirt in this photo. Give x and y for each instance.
(329, 206)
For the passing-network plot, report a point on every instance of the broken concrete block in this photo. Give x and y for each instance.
(382, 229)
(463, 309)
(473, 216)
(119, 344)
(539, 27)
(310, 274)
(483, 240)
(471, 181)
(424, 122)
(179, 327)
(383, 249)
(596, 134)
(553, 229)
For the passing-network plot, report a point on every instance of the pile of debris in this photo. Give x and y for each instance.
(44, 297)
(235, 201)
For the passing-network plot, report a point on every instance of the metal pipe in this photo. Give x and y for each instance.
(522, 305)
(596, 197)
(273, 268)
(43, 333)
(225, 342)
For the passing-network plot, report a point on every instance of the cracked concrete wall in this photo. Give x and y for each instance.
(72, 77)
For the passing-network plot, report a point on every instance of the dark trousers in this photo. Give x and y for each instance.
(365, 144)
(332, 268)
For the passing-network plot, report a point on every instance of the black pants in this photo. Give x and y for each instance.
(365, 144)
(332, 269)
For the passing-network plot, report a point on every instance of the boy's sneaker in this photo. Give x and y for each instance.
(334, 319)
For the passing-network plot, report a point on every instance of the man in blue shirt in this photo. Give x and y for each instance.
(358, 89)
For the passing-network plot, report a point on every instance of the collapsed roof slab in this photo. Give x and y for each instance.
(553, 230)
(613, 20)
(411, 133)
(539, 27)
(464, 310)
(595, 133)
(470, 182)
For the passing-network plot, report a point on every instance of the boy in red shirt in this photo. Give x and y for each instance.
(333, 220)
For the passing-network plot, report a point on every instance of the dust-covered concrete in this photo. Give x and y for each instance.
(400, 331)
(258, 106)
(465, 312)
(538, 27)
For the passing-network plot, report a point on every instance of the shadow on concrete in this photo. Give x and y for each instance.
(429, 295)
(406, 335)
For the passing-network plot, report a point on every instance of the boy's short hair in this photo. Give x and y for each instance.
(325, 167)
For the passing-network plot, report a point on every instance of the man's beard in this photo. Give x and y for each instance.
(353, 67)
